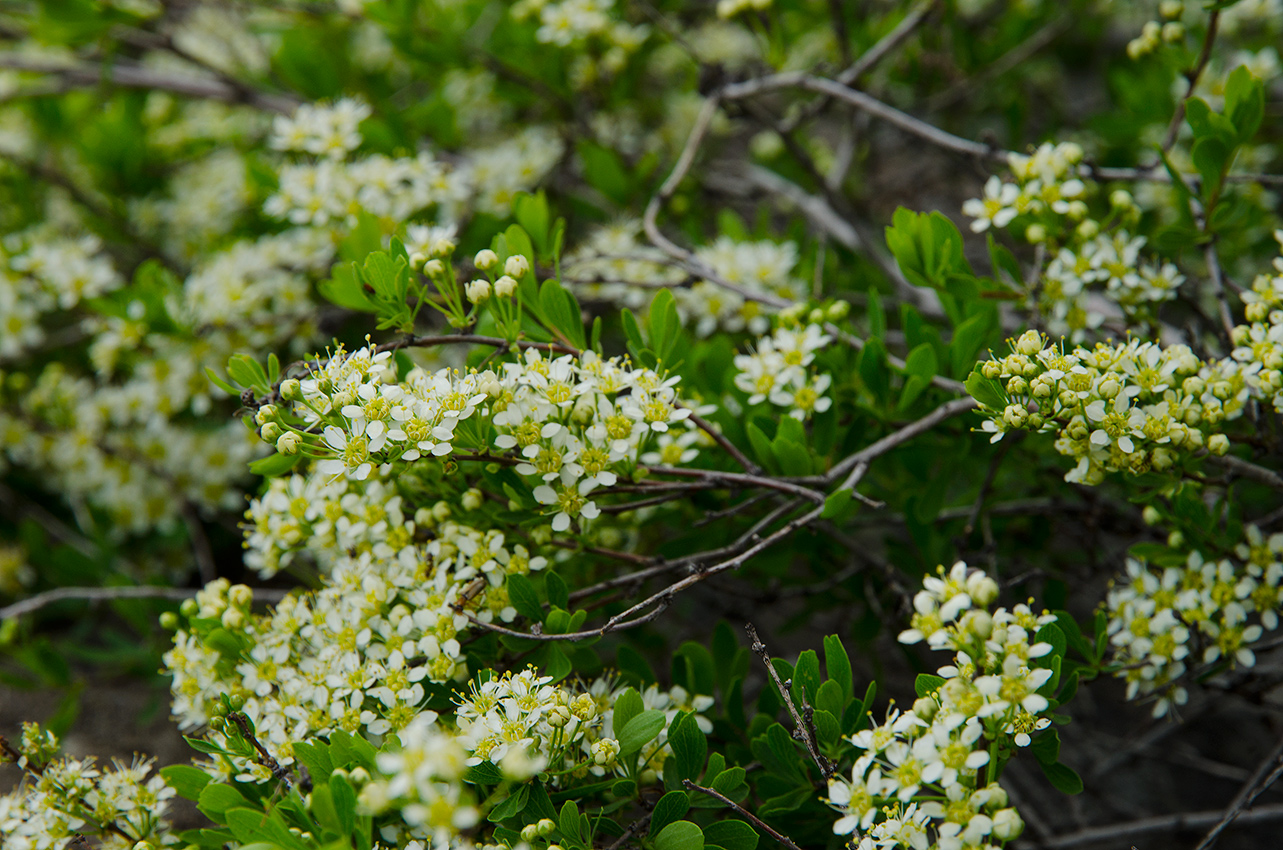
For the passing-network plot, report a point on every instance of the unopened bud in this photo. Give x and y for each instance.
(516, 266)
(485, 259)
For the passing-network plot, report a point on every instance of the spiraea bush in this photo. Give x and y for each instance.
(432, 390)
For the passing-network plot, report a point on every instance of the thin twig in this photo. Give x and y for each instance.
(1163, 823)
(1191, 77)
(1263, 778)
(98, 594)
(765, 827)
(804, 730)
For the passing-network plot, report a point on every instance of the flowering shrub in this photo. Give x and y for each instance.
(428, 387)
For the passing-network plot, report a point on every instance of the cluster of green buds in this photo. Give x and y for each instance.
(542, 828)
(802, 312)
(502, 278)
(1133, 407)
(222, 712)
(1155, 33)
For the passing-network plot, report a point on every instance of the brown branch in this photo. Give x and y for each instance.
(1191, 77)
(1162, 823)
(765, 827)
(97, 594)
(1265, 776)
(804, 730)
(136, 77)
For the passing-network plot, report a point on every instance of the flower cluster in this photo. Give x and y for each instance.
(526, 725)
(1132, 407)
(1258, 352)
(1160, 615)
(1046, 186)
(925, 777)
(779, 371)
(422, 780)
(1112, 260)
(333, 188)
(64, 798)
(574, 422)
(612, 261)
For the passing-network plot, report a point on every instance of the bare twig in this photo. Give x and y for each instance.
(264, 758)
(1163, 823)
(1249, 470)
(1191, 77)
(804, 729)
(765, 827)
(98, 594)
(136, 77)
(1263, 778)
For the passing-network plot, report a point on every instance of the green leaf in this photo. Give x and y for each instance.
(837, 665)
(247, 372)
(522, 594)
(1244, 102)
(829, 697)
(275, 464)
(836, 503)
(216, 799)
(1046, 746)
(1062, 778)
(731, 834)
(484, 773)
(1051, 634)
(762, 448)
(344, 797)
(927, 684)
(558, 593)
(806, 677)
(967, 339)
(220, 383)
(627, 706)
(512, 806)
(641, 730)
(187, 781)
(872, 368)
(671, 807)
(689, 744)
(316, 758)
(730, 781)
(532, 213)
(605, 171)
(1211, 157)
(682, 835)
(877, 316)
(987, 391)
(568, 823)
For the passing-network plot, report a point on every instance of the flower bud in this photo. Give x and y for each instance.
(838, 311)
(529, 832)
(265, 414)
(485, 259)
(290, 389)
(1218, 444)
(443, 247)
(478, 291)
(270, 432)
(1030, 342)
(289, 443)
(1171, 9)
(417, 259)
(1087, 229)
(926, 708)
(516, 266)
(1151, 515)
(189, 608)
(546, 826)
(1007, 824)
(240, 595)
(472, 499)
(169, 621)
(505, 286)
(1035, 234)
(1173, 31)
